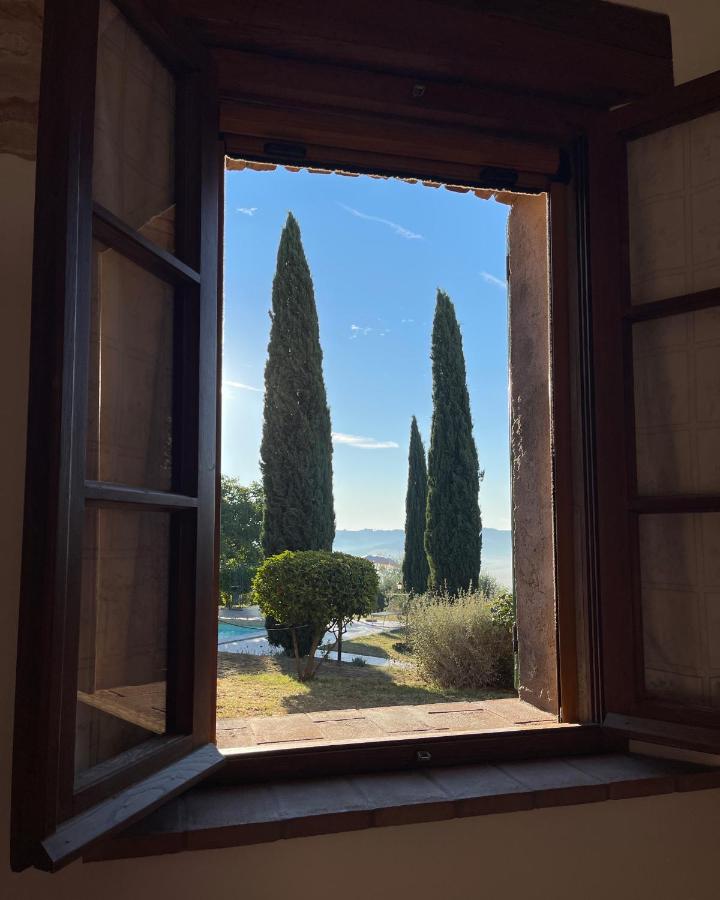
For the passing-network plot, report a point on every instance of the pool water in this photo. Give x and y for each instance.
(230, 632)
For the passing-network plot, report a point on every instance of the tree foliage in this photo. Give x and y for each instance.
(296, 449)
(453, 524)
(415, 569)
(241, 512)
(310, 591)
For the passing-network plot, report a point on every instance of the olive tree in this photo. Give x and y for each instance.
(311, 591)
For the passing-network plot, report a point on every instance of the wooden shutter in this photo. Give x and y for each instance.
(115, 705)
(655, 257)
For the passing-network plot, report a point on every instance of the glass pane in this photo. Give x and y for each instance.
(677, 403)
(680, 596)
(122, 664)
(134, 168)
(674, 197)
(130, 385)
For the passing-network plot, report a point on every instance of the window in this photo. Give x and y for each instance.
(115, 707)
(123, 578)
(376, 250)
(667, 312)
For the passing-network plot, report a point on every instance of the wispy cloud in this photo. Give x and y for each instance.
(362, 443)
(242, 387)
(247, 210)
(407, 321)
(398, 229)
(357, 331)
(494, 280)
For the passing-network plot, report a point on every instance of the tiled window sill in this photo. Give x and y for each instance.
(225, 816)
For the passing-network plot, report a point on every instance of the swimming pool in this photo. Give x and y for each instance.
(228, 632)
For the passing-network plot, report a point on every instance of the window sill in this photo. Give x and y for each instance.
(228, 816)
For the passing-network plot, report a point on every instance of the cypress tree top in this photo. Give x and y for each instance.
(415, 565)
(453, 526)
(296, 449)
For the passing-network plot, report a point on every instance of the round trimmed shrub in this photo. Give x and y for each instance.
(309, 590)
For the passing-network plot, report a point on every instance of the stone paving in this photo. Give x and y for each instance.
(378, 722)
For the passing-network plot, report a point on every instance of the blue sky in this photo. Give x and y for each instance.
(378, 250)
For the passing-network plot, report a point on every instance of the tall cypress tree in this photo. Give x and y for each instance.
(296, 448)
(415, 565)
(453, 525)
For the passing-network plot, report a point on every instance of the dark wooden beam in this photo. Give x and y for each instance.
(363, 132)
(668, 107)
(259, 77)
(603, 55)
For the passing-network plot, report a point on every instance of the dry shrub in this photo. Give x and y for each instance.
(458, 643)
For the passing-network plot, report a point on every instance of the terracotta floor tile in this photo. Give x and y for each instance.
(350, 729)
(518, 712)
(461, 719)
(279, 729)
(337, 715)
(398, 719)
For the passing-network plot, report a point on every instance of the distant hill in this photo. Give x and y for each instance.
(496, 551)
(383, 561)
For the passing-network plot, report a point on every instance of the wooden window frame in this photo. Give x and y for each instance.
(275, 140)
(579, 169)
(52, 818)
(54, 815)
(627, 708)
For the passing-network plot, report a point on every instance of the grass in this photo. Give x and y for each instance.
(266, 686)
(380, 645)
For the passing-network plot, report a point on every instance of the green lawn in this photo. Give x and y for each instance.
(377, 645)
(266, 686)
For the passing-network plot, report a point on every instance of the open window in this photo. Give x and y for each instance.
(657, 188)
(412, 663)
(115, 709)
(115, 672)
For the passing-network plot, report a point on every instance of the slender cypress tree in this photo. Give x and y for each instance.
(296, 448)
(415, 565)
(453, 525)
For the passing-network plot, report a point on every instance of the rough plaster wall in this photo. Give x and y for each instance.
(531, 465)
(659, 847)
(20, 40)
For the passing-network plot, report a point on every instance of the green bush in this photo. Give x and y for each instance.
(488, 585)
(311, 590)
(458, 643)
(280, 635)
(241, 511)
(387, 586)
(502, 609)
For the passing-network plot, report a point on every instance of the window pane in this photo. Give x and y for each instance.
(677, 403)
(130, 386)
(674, 188)
(122, 665)
(680, 595)
(134, 169)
